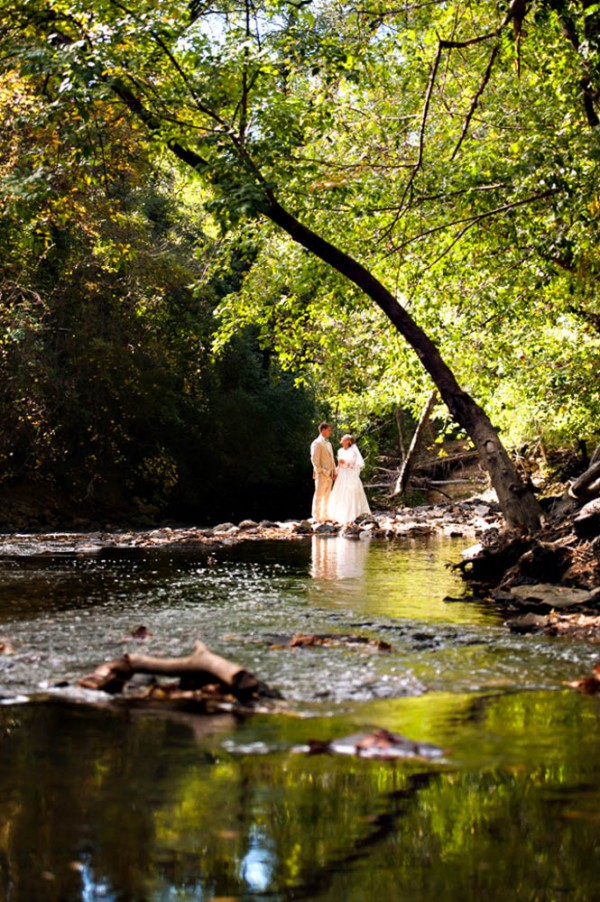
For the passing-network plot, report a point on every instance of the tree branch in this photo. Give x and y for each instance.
(482, 86)
(470, 220)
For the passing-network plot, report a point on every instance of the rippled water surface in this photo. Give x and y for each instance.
(99, 804)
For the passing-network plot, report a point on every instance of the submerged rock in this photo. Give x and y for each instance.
(327, 529)
(380, 744)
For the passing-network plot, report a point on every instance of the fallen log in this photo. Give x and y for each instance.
(587, 522)
(443, 465)
(200, 669)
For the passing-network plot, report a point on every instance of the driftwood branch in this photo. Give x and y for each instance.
(202, 668)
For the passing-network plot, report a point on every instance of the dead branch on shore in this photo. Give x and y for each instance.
(202, 674)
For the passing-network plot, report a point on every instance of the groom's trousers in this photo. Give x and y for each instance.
(321, 497)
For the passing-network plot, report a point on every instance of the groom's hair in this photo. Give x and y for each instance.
(324, 425)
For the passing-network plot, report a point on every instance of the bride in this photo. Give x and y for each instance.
(348, 500)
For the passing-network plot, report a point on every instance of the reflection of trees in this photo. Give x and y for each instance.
(147, 809)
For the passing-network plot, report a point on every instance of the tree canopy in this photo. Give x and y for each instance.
(444, 153)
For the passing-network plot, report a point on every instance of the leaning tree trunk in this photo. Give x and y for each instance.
(517, 501)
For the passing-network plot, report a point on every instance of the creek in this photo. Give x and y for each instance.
(106, 804)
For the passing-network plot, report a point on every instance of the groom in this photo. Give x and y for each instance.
(323, 461)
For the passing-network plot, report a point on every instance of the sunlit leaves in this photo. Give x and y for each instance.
(465, 177)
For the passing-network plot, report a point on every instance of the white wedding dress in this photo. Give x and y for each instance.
(348, 500)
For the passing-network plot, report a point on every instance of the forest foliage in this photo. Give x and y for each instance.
(110, 390)
(451, 148)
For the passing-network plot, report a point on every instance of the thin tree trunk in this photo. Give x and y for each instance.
(398, 417)
(415, 444)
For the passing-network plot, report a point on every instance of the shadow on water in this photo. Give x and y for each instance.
(99, 804)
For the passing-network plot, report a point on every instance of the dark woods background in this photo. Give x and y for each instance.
(112, 404)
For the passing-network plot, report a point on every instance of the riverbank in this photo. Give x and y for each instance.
(548, 582)
(468, 519)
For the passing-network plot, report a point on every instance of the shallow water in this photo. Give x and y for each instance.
(99, 804)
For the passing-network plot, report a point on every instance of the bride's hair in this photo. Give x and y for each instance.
(350, 438)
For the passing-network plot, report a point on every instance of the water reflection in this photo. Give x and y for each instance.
(338, 558)
(256, 869)
(97, 806)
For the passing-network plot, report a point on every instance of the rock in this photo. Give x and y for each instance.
(327, 529)
(527, 623)
(365, 518)
(471, 552)
(380, 744)
(303, 528)
(149, 510)
(141, 522)
(587, 521)
(268, 524)
(248, 524)
(553, 596)
(351, 531)
(481, 510)
(223, 527)
(559, 507)
(6, 647)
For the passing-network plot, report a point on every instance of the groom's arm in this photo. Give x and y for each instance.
(317, 458)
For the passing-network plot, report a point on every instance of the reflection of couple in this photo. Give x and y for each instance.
(345, 500)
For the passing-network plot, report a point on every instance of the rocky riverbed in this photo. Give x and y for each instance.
(471, 519)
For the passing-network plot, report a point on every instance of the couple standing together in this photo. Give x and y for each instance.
(339, 494)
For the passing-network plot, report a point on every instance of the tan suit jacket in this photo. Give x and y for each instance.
(321, 455)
